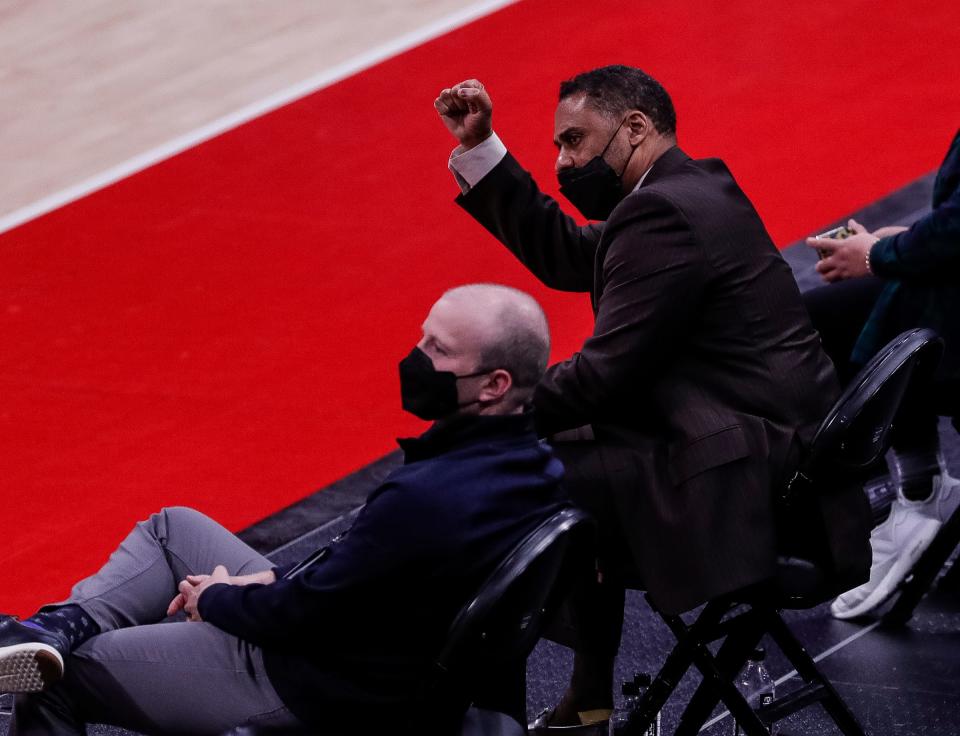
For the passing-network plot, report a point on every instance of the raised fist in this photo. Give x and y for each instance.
(466, 110)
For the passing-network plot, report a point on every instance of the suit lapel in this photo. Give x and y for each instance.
(671, 160)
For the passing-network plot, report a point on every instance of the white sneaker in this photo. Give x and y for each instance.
(898, 543)
(945, 497)
(30, 659)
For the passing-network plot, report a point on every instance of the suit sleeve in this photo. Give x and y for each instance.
(385, 537)
(653, 276)
(929, 252)
(508, 203)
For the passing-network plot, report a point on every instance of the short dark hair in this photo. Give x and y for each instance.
(616, 89)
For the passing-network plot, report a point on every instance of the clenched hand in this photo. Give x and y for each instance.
(467, 110)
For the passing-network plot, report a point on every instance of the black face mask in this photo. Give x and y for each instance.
(594, 188)
(426, 392)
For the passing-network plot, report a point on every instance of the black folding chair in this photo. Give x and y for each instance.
(854, 434)
(484, 661)
(482, 668)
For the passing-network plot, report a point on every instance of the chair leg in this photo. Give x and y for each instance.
(925, 572)
(729, 660)
(807, 669)
(739, 708)
(695, 640)
(674, 668)
(659, 692)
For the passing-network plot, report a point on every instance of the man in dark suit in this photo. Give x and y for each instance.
(703, 378)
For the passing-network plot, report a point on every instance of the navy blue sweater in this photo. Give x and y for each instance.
(352, 639)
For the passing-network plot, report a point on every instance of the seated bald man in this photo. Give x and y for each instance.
(348, 640)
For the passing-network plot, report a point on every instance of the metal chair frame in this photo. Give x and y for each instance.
(854, 434)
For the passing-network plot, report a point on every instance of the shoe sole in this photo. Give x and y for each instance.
(593, 729)
(888, 585)
(29, 668)
(539, 727)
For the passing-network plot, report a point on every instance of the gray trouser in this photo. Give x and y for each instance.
(149, 673)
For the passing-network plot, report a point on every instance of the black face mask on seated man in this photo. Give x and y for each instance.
(594, 188)
(428, 393)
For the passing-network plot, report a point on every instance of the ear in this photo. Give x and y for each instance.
(495, 386)
(639, 126)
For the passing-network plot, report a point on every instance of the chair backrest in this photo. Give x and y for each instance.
(503, 622)
(823, 518)
(856, 432)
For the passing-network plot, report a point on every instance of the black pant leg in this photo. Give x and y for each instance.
(838, 312)
(916, 427)
(591, 619)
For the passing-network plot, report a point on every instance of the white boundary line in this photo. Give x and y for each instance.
(245, 114)
(823, 655)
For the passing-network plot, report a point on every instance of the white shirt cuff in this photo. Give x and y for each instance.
(469, 167)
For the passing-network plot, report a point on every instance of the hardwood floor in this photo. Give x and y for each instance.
(85, 86)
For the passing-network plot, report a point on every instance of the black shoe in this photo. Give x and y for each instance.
(30, 659)
(540, 726)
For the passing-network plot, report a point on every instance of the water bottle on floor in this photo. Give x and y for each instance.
(632, 692)
(642, 681)
(621, 715)
(756, 686)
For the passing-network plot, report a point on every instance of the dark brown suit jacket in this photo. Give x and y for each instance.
(703, 365)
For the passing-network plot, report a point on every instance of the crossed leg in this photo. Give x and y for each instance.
(148, 673)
